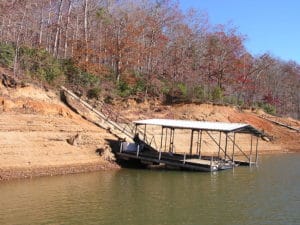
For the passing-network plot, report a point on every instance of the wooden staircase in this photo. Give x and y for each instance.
(276, 121)
(109, 119)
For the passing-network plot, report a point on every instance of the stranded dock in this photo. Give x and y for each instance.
(222, 137)
(183, 144)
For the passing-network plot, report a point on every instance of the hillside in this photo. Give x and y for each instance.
(36, 129)
(283, 139)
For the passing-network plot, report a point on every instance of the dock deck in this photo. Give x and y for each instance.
(179, 161)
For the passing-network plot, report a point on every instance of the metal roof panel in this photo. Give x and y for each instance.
(199, 125)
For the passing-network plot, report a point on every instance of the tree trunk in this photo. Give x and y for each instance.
(59, 15)
(119, 56)
(41, 25)
(49, 34)
(2, 30)
(18, 43)
(67, 26)
(86, 29)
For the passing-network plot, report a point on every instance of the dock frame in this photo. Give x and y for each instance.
(193, 157)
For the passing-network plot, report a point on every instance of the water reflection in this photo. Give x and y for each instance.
(265, 195)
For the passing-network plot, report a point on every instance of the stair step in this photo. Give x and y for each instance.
(121, 130)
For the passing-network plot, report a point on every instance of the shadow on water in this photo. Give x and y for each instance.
(137, 164)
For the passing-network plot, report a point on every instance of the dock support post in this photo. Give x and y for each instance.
(226, 140)
(159, 155)
(250, 156)
(184, 158)
(191, 144)
(135, 129)
(161, 138)
(233, 147)
(212, 138)
(220, 136)
(138, 151)
(197, 147)
(239, 148)
(171, 144)
(121, 147)
(200, 144)
(166, 139)
(145, 130)
(256, 152)
(173, 140)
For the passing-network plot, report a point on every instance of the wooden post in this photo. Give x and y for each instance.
(191, 144)
(184, 157)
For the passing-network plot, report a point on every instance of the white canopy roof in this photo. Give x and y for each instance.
(198, 125)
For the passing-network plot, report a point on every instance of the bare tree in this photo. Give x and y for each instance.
(58, 28)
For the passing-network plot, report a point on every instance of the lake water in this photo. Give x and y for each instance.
(269, 194)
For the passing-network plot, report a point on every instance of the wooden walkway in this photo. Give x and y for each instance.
(280, 123)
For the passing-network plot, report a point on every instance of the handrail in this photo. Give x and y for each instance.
(128, 125)
(116, 120)
(106, 118)
(278, 122)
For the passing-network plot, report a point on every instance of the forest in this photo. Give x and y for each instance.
(142, 49)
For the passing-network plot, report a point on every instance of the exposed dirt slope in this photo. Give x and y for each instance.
(37, 132)
(284, 139)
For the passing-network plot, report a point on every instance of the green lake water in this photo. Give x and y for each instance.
(267, 195)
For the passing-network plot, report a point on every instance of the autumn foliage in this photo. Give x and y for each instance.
(146, 49)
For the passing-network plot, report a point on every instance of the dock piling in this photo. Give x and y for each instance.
(138, 151)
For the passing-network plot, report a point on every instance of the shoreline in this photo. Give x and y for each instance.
(14, 173)
(36, 128)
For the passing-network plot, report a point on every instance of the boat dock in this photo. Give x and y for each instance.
(225, 157)
(210, 146)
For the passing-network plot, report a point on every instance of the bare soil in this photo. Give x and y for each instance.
(36, 129)
(282, 138)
